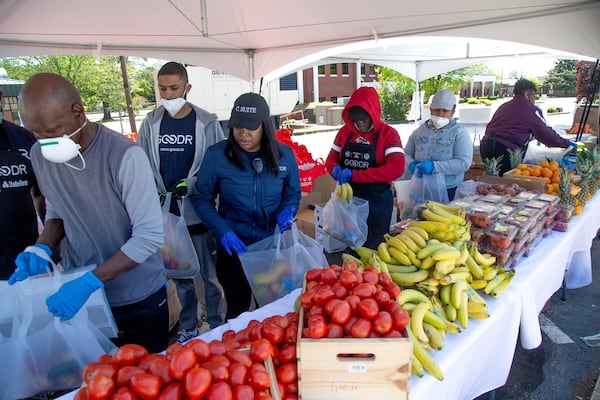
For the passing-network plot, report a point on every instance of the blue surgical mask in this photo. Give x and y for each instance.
(62, 149)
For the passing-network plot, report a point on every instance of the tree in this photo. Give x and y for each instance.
(584, 84)
(99, 83)
(394, 90)
(562, 76)
(450, 80)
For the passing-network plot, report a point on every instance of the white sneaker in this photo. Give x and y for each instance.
(184, 336)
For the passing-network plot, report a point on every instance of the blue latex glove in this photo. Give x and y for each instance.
(426, 167)
(344, 176)
(28, 263)
(285, 219)
(572, 144)
(413, 164)
(230, 241)
(336, 171)
(72, 296)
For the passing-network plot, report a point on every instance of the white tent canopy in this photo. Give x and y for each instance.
(261, 38)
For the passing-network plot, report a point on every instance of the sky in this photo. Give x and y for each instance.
(526, 67)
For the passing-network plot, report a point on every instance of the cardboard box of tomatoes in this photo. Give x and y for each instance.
(352, 342)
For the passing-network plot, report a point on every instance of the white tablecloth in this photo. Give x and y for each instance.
(478, 359)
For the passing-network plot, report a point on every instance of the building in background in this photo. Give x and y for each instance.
(10, 92)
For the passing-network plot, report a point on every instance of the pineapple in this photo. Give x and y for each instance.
(568, 191)
(492, 165)
(516, 157)
(585, 168)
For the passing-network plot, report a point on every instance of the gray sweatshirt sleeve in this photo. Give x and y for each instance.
(141, 201)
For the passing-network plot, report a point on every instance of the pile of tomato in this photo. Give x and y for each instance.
(345, 302)
(196, 370)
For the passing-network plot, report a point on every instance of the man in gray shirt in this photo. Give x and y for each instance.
(102, 209)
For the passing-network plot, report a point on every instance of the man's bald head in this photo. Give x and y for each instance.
(47, 97)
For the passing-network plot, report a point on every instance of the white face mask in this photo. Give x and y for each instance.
(62, 149)
(173, 106)
(439, 122)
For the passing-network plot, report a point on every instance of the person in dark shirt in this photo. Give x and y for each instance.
(515, 124)
(19, 194)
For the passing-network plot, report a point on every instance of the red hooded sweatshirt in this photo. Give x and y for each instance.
(389, 152)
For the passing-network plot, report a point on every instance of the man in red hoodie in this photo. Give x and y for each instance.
(368, 154)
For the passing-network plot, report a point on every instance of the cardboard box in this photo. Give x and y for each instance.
(330, 244)
(173, 304)
(353, 369)
(321, 192)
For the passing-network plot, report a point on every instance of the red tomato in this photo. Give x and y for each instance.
(313, 286)
(313, 275)
(219, 372)
(100, 387)
(317, 327)
(262, 395)
(349, 265)
(255, 331)
(370, 276)
(146, 361)
(400, 318)
(361, 328)
(289, 397)
(364, 290)
(335, 331)
(260, 350)
(382, 323)
(328, 275)
(291, 334)
(293, 317)
(125, 355)
(348, 325)
(197, 381)
(287, 353)
(238, 374)
(394, 334)
(393, 289)
(273, 333)
(173, 391)
(340, 290)
(172, 349)
(219, 391)
(292, 388)
(125, 393)
(221, 359)
(201, 349)
(368, 308)
(281, 321)
(181, 362)
(384, 278)
(139, 351)
(160, 367)
(353, 300)
(316, 310)
(287, 373)
(258, 379)
(243, 335)
(82, 394)
(243, 392)
(104, 359)
(323, 295)
(88, 371)
(237, 356)
(126, 373)
(228, 333)
(348, 279)
(217, 347)
(391, 307)
(382, 298)
(341, 313)
(336, 268)
(330, 305)
(307, 299)
(147, 386)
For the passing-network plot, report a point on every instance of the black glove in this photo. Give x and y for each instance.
(180, 189)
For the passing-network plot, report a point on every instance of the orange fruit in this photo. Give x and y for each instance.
(536, 171)
(556, 179)
(522, 166)
(548, 181)
(546, 172)
(553, 165)
(544, 164)
(525, 173)
(517, 172)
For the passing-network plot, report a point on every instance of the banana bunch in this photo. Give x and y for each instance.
(444, 223)
(344, 191)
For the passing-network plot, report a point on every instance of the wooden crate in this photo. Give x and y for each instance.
(528, 182)
(353, 369)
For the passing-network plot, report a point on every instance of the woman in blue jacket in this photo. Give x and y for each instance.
(258, 187)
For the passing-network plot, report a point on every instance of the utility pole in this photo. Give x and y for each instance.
(130, 111)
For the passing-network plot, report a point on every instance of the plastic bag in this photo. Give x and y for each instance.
(276, 265)
(537, 152)
(309, 172)
(178, 252)
(346, 220)
(39, 352)
(423, 188)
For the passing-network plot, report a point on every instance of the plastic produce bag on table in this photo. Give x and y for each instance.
(41, 353)
(422, 189)
(346, 220)
(178, 252)
(276, 265)
(537, 152)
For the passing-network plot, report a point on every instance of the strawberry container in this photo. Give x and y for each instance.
(501, 235)
(565, 212)
(551, 199)
(522, 222)
(482, 215)
(502, 255)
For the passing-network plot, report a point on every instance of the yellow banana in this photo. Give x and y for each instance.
(399, 256)
(454, 218)
(426, 360)
(430, 249)
(349, 192)
(434, 337)
(448, 253)
(439, 310)
(491, 285)
(434, 320)
(415, 237)
(396, 243)
(451, 312)
(478, 284)
(456, 292)
(409, 278)
(416, 367)
(343, 192)
(482, 259)
(350, 257)
(445, 294)
(478, 315)
(445, 207)
(475, 269)
(363, 252)
(427, 263)
(474, 296)
(416, 321)
(476, 307)
(431, 216)
(464, 254)
(401, 268)
(408, 242)
(430, 226)
(457, 276)
(413, 258)
(411, 296)
(462, 313)
(461, 268)
(420, 231)
(382, 251)
(444, 267)
(499, 289)
(338, 191)
(490, 273)
(383, 268)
